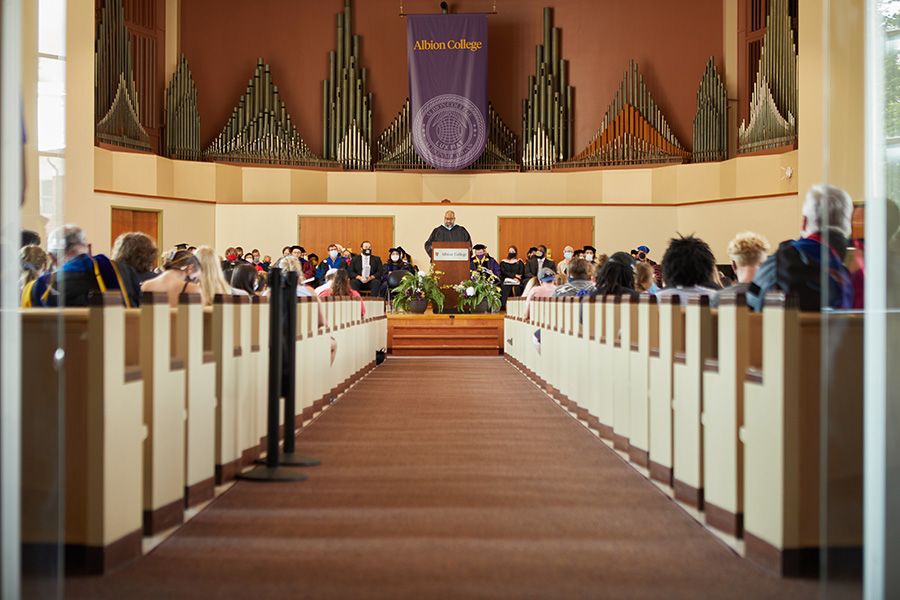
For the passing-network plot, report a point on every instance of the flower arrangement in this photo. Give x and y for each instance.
(419, 286)
(475, 290)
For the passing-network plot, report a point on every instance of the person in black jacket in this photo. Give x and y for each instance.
(537, 262)
(365, 270)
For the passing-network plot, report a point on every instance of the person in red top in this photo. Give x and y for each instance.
(341, 287)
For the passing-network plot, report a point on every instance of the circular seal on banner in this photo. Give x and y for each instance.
(449, 131)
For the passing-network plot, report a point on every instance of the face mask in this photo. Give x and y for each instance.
(479, 257)
(367, 252)
(333, 253)
(448, 226)
(511, 255)
(539, 254)
(567, 254)
(589, 257)
(395, 257)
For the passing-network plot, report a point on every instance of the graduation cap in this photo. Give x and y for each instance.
(181, 246)
(479, 247)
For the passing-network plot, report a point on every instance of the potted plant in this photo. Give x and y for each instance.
(478, 294)
(416, 290)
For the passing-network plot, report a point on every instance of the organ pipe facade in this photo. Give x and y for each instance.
(773, 101)
(711, 120)
(116, 111)
(547, 111)
(182, 118)
(260, 129)
(346, 101)
(633, 131)
(396, 153)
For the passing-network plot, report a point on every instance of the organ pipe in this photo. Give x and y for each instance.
(547, 109)
(773, 100)
(116, 110)
(632, 132)
(347, 102)
(260, 130)
(396, 152)
(711, 120)
(182, 118)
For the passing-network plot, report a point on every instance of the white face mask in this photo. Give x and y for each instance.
(589, 257)
(395, 257)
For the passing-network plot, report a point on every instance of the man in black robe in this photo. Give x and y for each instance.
(448, 232)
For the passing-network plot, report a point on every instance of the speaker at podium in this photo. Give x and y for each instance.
(452, 259)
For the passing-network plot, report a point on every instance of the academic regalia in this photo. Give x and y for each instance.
(457, 233)
(83, 276)
(487, 262)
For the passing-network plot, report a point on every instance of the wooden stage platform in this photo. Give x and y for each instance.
(445, 335)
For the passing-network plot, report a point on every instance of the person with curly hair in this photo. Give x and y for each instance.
(687, 267)
(747, 252)
(138, 251)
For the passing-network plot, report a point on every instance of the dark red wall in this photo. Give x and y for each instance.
(670, 41)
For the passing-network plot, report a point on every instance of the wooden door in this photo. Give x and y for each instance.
(317, 233)
(127, 219)
(554, 232)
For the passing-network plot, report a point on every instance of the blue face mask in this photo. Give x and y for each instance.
(448, 226)
(567, 254)
(333, 254)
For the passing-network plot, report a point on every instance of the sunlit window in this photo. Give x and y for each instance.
(51, 104)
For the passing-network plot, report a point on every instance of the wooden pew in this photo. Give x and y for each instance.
(782, 438)
(639, 403)
(103, 419)
(228, 458)
(624, 319)
(671, 339)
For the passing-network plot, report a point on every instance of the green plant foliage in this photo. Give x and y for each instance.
(419, 285)
(473, 291)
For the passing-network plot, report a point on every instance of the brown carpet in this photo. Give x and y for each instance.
(445, 478)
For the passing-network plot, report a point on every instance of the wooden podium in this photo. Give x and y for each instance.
(453, 260)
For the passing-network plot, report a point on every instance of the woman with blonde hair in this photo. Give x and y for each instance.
(33, 262)
(181, 271)
(644, 278)
(212, 281)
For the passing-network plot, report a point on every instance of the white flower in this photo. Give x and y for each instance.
(470, 291)
(422, 273)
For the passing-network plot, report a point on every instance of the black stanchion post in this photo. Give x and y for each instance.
(272, 471)
(289, 375)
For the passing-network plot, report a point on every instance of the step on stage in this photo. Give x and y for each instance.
(445, 335)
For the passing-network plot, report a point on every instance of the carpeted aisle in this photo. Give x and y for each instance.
(445, 478)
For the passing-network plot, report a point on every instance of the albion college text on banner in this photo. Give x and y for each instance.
(448, 88)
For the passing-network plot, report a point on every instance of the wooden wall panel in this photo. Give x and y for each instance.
(125, 220)
(317, 233)
(554, 232)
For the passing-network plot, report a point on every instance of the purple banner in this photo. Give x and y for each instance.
(448, 86)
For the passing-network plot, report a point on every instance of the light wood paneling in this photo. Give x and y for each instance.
(317, 233)
(126, 219)
(554, 232)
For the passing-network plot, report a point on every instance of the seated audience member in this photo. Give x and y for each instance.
(33, 262)
(579, 280)
(512, 270)
(644, 280)
(537, 262)
(747, 252)
(30, 238)
(395, 263)
(644, 256)
(482, 261)
(244, 280)
(240, 253)
(408, 260)
(687, 266)
(308, 273)
(332, 261)
(616, 277)
(138, 251)
(212, 279)
(329, 279)
(286, 250)
(541, 287)
(634, 254)
(266, 262)
(340, 288)
(530, 254)
(78, 273)
(796, 265)
(600, 261)
(589, 253)
(578, 254)
(313, 259)
(181, 272)
(562, 266)
(289, 264)
(365, 270)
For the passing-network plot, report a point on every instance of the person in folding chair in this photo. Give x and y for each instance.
(392, 272)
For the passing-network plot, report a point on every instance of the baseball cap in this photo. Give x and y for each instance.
(547, 274)
(643, 249)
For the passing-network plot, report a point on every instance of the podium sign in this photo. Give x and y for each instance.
(441, 254)
(452, 259)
